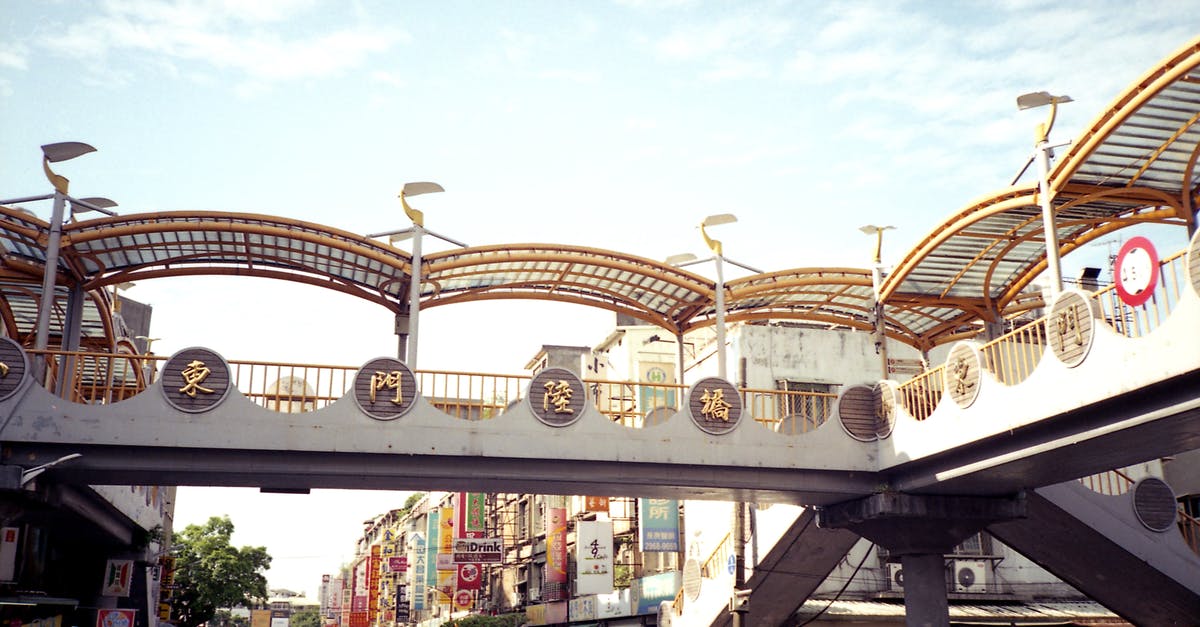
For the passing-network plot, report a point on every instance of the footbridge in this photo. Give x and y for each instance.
(961, 428)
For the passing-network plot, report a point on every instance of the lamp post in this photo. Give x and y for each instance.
(688, 259)
(417, 231)
(1042, 152)
(738, 595)
(53, 153)
(880, 322)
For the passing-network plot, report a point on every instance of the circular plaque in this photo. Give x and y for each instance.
(385, 388)
(715, 405)
(557, 397)
(691, 579)
(1154, 504)
(13, 367)
(960, 378)
(195, 380)
(857, 411)
(1070, 328)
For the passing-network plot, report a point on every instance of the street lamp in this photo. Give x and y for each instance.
(877, 288)
(416, 232)
(53, 153)
(32, 473)
(1042, 152)
(739, 508)
(688, 259)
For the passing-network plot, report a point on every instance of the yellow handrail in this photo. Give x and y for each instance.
(1013, 356)
(719, 555)
(920, 394)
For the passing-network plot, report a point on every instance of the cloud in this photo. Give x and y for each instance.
(14, 56)
(700, 41)
(569, 76)
(248, 37)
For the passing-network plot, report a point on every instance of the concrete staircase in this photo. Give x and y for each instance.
(1097, 544)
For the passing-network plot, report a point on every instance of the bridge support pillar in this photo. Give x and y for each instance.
(920, 530)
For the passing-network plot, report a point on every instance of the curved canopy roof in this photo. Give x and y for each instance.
(1135, 164)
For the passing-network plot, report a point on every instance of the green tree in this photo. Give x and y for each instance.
(305, 618)
(212, 574)
(478, 620)
(411, 502)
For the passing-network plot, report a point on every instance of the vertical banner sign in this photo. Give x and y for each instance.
(431, 550)
(358, 601)
(593, 557)
(418, 558)
(470, 525)
(446, 577)
(554, 586)
(658, 525)
(473, 524)
(118, 578)
(373, 566)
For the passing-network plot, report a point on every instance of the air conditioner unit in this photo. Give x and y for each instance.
(970, 576)
(666, 614)
(895, 577)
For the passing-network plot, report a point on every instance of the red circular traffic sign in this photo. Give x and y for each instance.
(1136, 271)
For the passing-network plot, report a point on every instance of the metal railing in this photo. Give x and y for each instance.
(471, 395)
(635, 404)
(789, 412)
(1110, 482)
(920, 394)
(712, 567)
(291, 388)
(103, 378)
(1141, 320)
(1012, 357)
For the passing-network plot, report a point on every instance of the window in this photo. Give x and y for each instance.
(523, 519)
(801, 404)
(979, 544)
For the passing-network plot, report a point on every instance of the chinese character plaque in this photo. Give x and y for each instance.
(385, 388)
(195, 380)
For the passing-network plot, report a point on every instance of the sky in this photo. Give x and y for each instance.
(615, 125)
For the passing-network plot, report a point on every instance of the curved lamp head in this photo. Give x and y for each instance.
(94, 203)
(65, 151)
(416, 189)
(1041, 99)
(877, 231)
(62, 151)
(681, 258)
(713, 220)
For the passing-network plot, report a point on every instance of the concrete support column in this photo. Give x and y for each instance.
(925, 603)
(920, 530)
